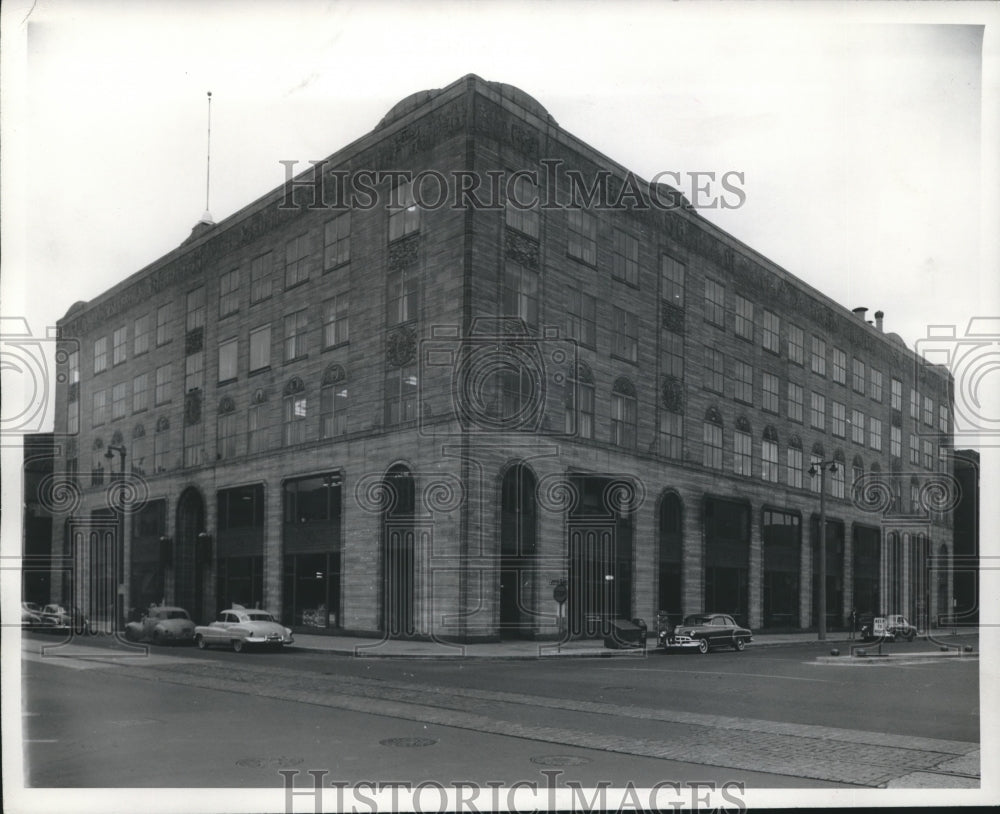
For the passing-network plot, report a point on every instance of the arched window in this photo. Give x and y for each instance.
(580, 402)
(295, 412)
(769, 455)
(742, 448)
(837, 479)
(333, 402)
(161, 444)
(256, 423)
(623, 414)
(794, 462)
(712, 438)
(814, 460)
(97, 463)
(227, 431)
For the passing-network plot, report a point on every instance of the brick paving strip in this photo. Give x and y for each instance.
(818, 752)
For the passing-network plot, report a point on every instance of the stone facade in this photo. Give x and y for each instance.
(411, 484)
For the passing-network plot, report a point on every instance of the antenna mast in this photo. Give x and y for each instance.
(207, 217)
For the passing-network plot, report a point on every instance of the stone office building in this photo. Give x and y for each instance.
(376, 407)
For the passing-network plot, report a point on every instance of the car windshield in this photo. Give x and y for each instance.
(260, 616)
(697, 619)
(176, 614)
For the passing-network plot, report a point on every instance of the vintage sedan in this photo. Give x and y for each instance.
(239, 627)
(888, 628)
(31, 615)
(56, 619)
(702, 631)
(162, 624)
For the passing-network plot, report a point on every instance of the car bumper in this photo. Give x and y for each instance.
(271, 639)
(678, 642)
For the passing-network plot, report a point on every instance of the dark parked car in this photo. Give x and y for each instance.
(162, 624)
(891, 627)
(701, 631)
(56, 619)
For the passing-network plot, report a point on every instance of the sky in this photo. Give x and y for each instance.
(866, 132)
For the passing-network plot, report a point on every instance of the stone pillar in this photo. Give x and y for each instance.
(273, 516)
(693, 557)
(755, 577)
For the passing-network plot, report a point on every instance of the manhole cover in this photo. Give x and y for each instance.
(560, 760)
(265, 762)
(408, 742)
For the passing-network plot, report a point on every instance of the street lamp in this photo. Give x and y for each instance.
(120, 547)
(820, 468)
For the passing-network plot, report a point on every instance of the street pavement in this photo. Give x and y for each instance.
(772, 717)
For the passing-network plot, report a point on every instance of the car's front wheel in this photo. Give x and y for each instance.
(703, 646)
(739, 644)
(238, 645)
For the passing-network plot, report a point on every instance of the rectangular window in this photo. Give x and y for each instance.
(715, 303)
(815, 481)
(742, 454)
(672, 274)
(333, 410)
(793, 467)
(580, 409)
(794, 402)
(296, 412)
(625, 257)
(876, 385)
(228, 352)
(101, 354)
(194, 371)
(714, 370)
(161, 450)
(769, 461)
(626, 337)
(712, 446)
(875, 434)
(260, 277)
(100, 412)
(943, 417)
(858, 427)
(623, 420)
(671, 435)
(895, 442)
(260, 348)
(838, 414)
(839, 366)
(837, 482)
(896, 395)
(142, 330)
(858, 376)
(818, 356)
(162, 325)
(744, 318)
(196, 309)
(256, 435)
(404, 215)
(796, 344)
(119, 400)
(817, 411)
(194, 444)
(226, 435)
(401, 297)
(520, 293)
(162, 394)
(140, 392)
(928, 411)
(673, 355)
(335, 321)
(770, 390)
(772, 328)
(296, 261)
(229, 293)
(582, 236)
(914, 449)
(337, 241)
(522, 207)
(401, 395)
(744, 383)
(120, 338)
(581, 314)
(914, 405)
(296, 326)
(928, 448)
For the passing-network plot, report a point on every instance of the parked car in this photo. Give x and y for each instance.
(891, 627)
(702, 631)
(31, 615)
(238, 627)
(162, 624)
(57, 619)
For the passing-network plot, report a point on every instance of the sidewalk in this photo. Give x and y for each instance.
(581, 648)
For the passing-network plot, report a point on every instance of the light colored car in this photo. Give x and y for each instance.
(162, 624)
(238, 627)
(31, 614)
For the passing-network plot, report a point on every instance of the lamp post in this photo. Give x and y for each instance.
(120, 545)
(820, 468)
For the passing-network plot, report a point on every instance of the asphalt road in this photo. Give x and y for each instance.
(769, 717)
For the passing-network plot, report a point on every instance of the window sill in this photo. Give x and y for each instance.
(292, 361)
(259, 370)
(227, 381)
(338, 345)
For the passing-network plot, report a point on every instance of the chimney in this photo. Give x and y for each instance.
(879, 315)
(860, 313)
